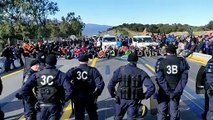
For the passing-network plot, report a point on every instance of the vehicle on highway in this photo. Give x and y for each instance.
(108, 40)
(143, 41)
(146, 45)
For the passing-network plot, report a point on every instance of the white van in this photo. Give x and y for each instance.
(143, 41)
(108, 40)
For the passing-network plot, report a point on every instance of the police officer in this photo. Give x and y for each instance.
(7, 53)
(130, 89)
(88, 84)
(53, 89)
(172, 76)
(1, 112)
(209, 88)
(29, 111)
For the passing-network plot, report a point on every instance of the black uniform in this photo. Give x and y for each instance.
(88, 84)
(209, 89)
(131, 80)
(29, 107)
(172, 74)
(53, 89)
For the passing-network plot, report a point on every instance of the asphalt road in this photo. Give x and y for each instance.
(191, 105)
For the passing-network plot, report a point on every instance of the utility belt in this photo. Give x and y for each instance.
(39, 105)
(56, 102)
(47, 104)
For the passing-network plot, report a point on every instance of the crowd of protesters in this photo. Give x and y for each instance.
(66, 48)
(92, 46)
(202, 44)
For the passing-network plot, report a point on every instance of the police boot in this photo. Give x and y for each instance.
(31, 117)
(203, 116)
(1, 115)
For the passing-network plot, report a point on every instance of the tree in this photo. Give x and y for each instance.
(71, 25)
(27, 15)
(40, 10)
(210, 25)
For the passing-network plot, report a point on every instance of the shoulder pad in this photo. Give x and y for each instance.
(37, 74)
(122, 68)
(181, 58)
(92, 68)
(26, 73)
(184, 64)
(210, 61)
(73, 68)
(157, 66)
(160, 59)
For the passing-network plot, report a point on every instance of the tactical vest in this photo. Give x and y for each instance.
(130, 87)
(47, 89)
(83, 84)
(172, 71)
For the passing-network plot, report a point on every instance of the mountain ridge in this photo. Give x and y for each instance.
(94, 29)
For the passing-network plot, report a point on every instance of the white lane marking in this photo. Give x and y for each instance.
(192, 99)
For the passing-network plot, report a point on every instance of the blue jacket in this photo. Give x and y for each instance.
(131, 68)
(209, 71)
(184, 67)
(28, 74)
(60, 82)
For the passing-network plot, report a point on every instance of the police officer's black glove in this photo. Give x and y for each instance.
(175, 95)
(18, 96)
(172, 95)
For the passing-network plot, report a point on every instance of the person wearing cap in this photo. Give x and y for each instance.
(88, 85)
(53, 90)
(172, 77)
(29, 111)
(41, 57)
(130, 92)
